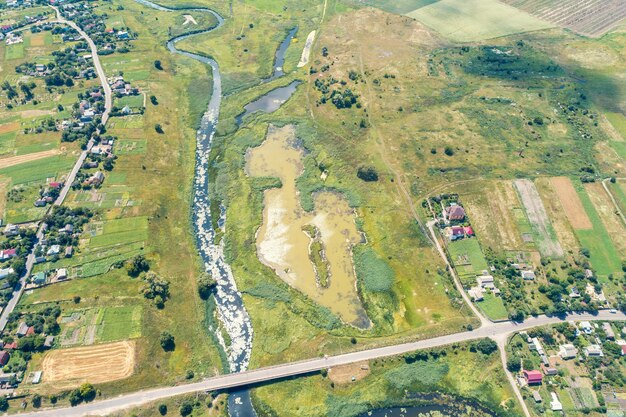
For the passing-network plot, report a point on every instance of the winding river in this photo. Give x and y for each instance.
(230, 307)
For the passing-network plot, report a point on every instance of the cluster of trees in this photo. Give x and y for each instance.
(137, 265)
(85, 392)
(156, 288)
(206, 285)
(367, 174)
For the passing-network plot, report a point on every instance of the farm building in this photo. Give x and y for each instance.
(568, 351)
(11, 230)
(476, 293)
(61, 274)
(7, 254)
(39, 278)
(536, 396)
(6, 272)
(555, 404)
(608, 331)
(533, 377)
(528, 275)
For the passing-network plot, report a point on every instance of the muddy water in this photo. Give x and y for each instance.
(284, 246)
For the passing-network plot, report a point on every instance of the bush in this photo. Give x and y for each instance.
(36, 400)
(448, 151)
(206, 284)
(186, 408)
(367, 174)
(87, 392)
(157, 65)
(486, 346)
(4, 403)
(162, 409)
(167, 342)
(158, 129)
(137, 265)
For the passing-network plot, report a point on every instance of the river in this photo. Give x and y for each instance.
(230, 307)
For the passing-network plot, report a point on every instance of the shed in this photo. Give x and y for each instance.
(536, 396)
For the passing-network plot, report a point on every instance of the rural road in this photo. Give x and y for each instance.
(108, 103)
(497, 331)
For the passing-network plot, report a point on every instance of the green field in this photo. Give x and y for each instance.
(119, 323)
(618, 120)
(605, 259)
(493, 307)
(468, 259)
(134, 102)
(15, 51)
(50, 167)
(474, 20)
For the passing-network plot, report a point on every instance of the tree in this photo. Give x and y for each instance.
(75, 398)
(167, 342)
(4, 403)
(76, 299)
(154, 100)
(137, 265)
(186, 408)
(157, 65)
(36, 400)
(162, 409)
(206, 284)
(87, 392)
(486, 346)
(158, 129)
(513, 363)
(448, 151)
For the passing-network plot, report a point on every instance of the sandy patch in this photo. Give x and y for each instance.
(344, 374)
(306, 51)
(20, 159)
(572, 206)
(96, 364)
(9, 127)
(189, 19)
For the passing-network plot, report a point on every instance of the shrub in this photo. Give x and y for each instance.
(157, 65)
(162, 409)
(367, 174)
(137, 265)
(167, 342)
(373, 272)
(448, 151)
(186, 408)
(206, 284)
(158, 129)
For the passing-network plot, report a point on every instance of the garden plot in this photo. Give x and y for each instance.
(543, 231)
(97, 325)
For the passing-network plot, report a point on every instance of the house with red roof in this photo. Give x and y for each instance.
(7, 254)
(468, 231)
(4, 357)
(456, 232)
(455, 212)
(533, 377)
(11, 346)
(30, 331)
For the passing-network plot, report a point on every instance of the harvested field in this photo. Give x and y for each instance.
(9, 127)
(556, 214)
(538, 218)
(474, 20)
(571, 203)
(586, 17)
(490, 208)
(96, 364)
(20, 159)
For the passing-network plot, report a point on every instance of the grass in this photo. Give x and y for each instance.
(474, 20)
(15, 51)
(373, 272)
(618, 120)
(400, 7)
(134, 102)
(119, 323)
(604, 257)
(493, 307)
(50, 167)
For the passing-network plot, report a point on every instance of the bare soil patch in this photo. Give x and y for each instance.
(20, 159)
(572, 206)
(9, 127)
(536, 212)
(35, 113)
(344, 374)
(96, 364)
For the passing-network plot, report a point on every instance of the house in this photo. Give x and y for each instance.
(4, 378)
(36, 377)
(455, 233)
(588, 273)
(40, 202)
(537, 397)
(22, 329)
(69, 228)
(30, 331)
(39, 278)
(555, 404)
(455, 212)
(40, 67)
(11, 230)
(468, 231)
(485, 281)
(40, 259)
(4, 357)
(48, 342)
(6, 272)
(623, 347)
(7, 254)
(533, 377)
(574, 293)
(126, 110)
(122, 34)
(55, 185)
(54, 250)
(96, 179)
(69, 251)
(476, 293)
(528, 275)
(549, 370)
(11, 346)
(568, 351)
(61, 273)
(608, 331)
(593, 350)
(586, 327)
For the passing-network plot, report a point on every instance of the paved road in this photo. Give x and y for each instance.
(497, 331)
(108, 102)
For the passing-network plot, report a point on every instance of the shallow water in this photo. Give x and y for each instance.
(284, 246)
(269, 102)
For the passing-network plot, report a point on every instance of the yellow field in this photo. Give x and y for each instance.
(571, 204)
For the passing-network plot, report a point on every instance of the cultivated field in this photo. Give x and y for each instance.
(572, 205)
(556, 214)
(16, 160)
(474, 20)
(535, 211)
(587, 17)
(96, 364)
